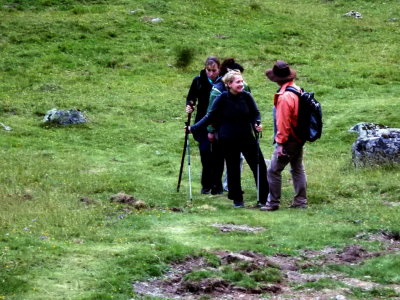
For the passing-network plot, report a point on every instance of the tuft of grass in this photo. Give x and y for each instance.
(184, 57)
(252, 279)
(375, 293)
(199, 275)
(267, 275)
(321, 284)
(380, 269)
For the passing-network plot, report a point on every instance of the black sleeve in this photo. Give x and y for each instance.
(212, 116)
(194, 91)
(253, 108)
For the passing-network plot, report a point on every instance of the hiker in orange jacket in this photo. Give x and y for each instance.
(289, 148)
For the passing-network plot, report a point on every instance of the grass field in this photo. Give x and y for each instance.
(119, 62)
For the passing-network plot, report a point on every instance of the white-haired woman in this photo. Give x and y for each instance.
(236, 116)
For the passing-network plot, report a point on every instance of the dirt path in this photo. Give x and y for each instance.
(198, 278)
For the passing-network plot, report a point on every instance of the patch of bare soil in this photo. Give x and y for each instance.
(389, 239)
(175, 285)
(350, 254)
(178, 284)
(232, 227)
(123, 198)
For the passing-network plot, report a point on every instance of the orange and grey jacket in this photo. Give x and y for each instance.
(286, 106)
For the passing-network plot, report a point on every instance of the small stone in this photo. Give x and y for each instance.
(6, 128)
(136, 11)
(354, 14)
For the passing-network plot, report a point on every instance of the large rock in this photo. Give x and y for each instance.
(376, 145)
(64, 117)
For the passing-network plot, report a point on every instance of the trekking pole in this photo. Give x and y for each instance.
(189, 171)
(258, 161)
(185, 146)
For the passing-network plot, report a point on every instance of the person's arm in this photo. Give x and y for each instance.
(210, 117)
(254, 111)
(213, 95)
(192, 95)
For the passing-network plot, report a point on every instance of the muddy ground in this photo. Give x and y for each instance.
(179, 282)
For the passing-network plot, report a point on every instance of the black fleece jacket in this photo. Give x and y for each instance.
(233, 115)
(199, 94)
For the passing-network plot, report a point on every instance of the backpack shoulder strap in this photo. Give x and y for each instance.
(293, 90)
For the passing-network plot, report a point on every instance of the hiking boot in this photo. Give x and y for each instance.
(238, 205)
(258, 205)
(298, 206)
(269, 208)
(205, 191)
(217, 191)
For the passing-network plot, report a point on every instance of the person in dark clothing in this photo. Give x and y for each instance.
(198, 97)
(218, 88)
(236, 116)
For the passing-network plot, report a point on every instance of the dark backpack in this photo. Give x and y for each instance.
(309, 122)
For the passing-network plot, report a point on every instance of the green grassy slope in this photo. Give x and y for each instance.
(109, 59)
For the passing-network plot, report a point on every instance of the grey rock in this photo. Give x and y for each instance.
(156, 20)
(365, 129)
(376, 145)
(7, 128)
(136, 11)
(354, 14)
(64, 117)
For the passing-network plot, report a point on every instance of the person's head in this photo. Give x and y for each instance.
(233, 80)
(230, 64)
(212, 65)
(281, 72)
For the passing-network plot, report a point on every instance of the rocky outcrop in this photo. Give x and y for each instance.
(376, 145)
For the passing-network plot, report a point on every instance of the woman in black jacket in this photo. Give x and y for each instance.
(198, 96)
(236, 117)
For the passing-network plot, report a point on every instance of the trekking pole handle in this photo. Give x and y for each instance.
(257, 133)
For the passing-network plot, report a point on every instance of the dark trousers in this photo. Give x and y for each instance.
(212, 162)
(255, 159)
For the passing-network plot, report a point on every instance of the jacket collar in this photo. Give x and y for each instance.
(283, 87)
